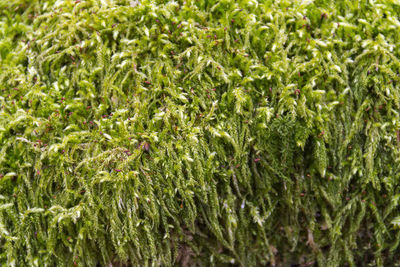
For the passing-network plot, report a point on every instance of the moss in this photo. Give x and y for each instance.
(199, 133)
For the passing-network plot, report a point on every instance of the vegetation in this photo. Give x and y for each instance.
(207, 133)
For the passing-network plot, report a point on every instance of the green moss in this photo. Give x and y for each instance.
(199, 133)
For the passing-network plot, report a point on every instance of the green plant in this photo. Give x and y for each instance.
(199, 132)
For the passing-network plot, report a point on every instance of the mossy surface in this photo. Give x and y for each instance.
(201, 133)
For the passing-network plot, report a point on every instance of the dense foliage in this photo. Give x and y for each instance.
(199, 132)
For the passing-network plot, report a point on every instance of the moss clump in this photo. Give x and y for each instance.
(199, 133)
